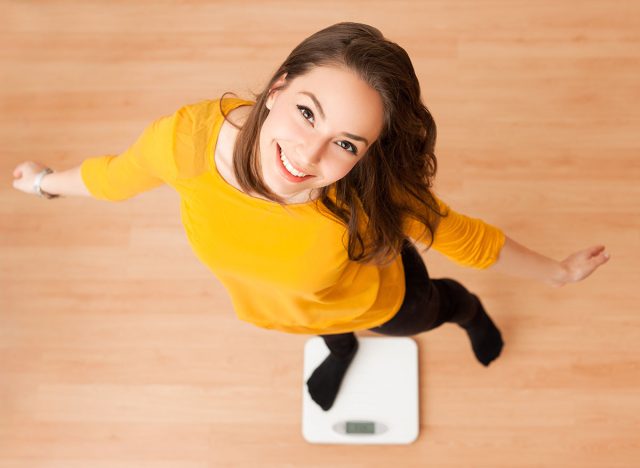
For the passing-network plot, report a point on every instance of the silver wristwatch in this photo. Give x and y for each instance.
(36, 185)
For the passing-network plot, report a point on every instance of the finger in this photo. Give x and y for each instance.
(19, 169)
(600, 259)
(593, 251)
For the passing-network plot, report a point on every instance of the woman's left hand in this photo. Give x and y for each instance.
(581, 264)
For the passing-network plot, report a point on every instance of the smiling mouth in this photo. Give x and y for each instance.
(286, 169)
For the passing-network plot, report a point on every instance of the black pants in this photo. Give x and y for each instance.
(427, 304)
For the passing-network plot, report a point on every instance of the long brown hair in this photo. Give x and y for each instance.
(392, 182)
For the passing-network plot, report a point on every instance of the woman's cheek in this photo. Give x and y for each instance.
(340, 169)
(294, 125)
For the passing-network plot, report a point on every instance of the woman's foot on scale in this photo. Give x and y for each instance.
(325, 381)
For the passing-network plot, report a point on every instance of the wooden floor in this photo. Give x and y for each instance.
(119, 349)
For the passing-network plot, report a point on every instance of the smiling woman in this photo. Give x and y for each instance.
(307, 207)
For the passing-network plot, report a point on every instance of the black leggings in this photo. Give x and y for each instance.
(427, 304)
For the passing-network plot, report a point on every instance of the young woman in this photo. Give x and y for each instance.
(306, 203)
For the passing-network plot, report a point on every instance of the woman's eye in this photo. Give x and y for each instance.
(349, 147)
(304, 109)
(307, 114)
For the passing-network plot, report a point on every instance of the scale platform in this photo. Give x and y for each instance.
(378, 399)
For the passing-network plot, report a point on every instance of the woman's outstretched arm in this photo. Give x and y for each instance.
(151, 161)
(517, 260)
(63, 183)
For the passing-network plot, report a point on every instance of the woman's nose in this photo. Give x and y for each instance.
(310, 153)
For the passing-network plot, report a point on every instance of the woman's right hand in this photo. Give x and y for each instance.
(24, 176)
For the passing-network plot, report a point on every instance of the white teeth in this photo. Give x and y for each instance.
(288, 165)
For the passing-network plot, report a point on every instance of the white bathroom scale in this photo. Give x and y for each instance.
(378, 399)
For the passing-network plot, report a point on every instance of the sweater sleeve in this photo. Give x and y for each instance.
(147, 164)
(467, 241)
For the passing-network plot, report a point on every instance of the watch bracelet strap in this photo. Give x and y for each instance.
(36, 186)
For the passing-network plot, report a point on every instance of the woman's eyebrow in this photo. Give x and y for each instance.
(317, 104)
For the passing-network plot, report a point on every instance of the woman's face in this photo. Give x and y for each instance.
(324, 122)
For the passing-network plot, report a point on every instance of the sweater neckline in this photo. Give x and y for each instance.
(228, 105)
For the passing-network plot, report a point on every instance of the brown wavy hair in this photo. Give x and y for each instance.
(392, 182)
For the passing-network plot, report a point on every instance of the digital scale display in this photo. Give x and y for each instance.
(361, 427)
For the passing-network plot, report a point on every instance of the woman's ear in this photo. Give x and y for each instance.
(273, 93)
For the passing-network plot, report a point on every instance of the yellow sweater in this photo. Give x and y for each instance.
(284, 268)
